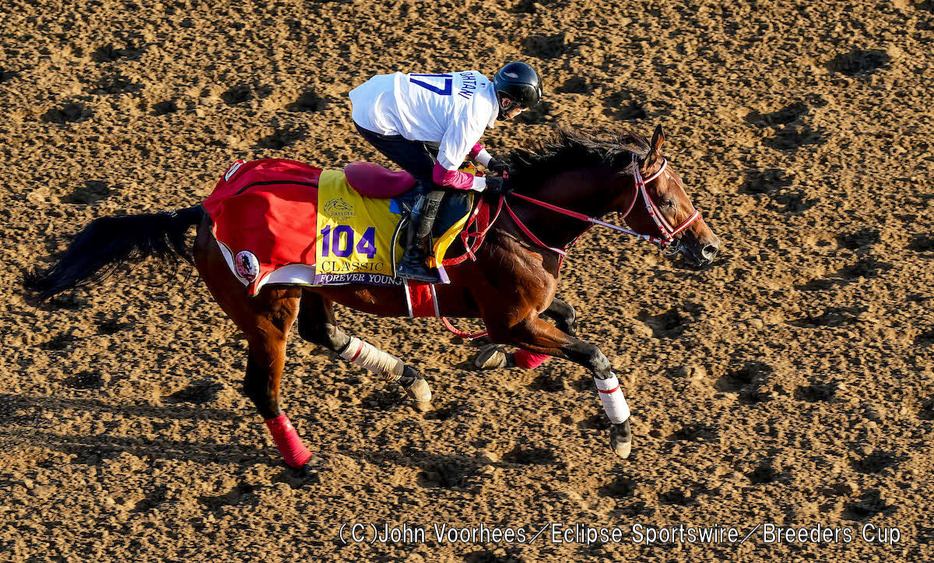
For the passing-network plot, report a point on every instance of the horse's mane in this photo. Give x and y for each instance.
(568, 150)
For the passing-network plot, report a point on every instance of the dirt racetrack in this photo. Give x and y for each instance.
(792, 384)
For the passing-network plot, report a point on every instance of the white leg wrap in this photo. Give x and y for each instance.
(611, 395)
(372, 358)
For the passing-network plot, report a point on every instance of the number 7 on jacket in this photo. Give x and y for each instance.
(444, 91)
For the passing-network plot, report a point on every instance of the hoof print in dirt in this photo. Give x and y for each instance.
(794, 136)
(164, 108)
(922, 243)
(791, 201)
(926, 338)
(72, 112)
(111, 325)
(669, 324)
(869, 505)
(548, 383)
(862, 238)
(783, 116)
(622, 107)
(679, 496)
(309, 102)
(153, 499)
(550, 46)
(816, 393)
(868, 267)
(765, 181)
(576, 85)
(830, 317)
(748, 382)
(595, 421)
(116, 84)
(242, 494)
(763, 474)
(446, 474)
(531, 6)
(876, 462)
(57, 342)
(280, 138)
(530, 456)
(859, 61)
(198, 393)
(68, 301)
(109, 54)
(620, 487)
(92, 191)
(85, 380)
(694, 432)
(444, 413)
(382, 400)
(237, 95)
(926, 412)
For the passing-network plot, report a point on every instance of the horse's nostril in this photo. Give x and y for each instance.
(710, 251)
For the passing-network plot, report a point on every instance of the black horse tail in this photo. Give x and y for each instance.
(110, 242)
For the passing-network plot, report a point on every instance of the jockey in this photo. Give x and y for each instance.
(429, 124)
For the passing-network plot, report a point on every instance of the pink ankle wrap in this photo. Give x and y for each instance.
(529, 360)
(290, 445)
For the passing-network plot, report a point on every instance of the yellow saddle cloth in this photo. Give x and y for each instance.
(354, 235)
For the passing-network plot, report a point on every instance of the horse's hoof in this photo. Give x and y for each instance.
(621, 439)
(308, 468)
(491, 357)
(623, 449)
(419, 392)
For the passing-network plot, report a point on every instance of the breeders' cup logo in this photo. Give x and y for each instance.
(247, 265)
(339, 210)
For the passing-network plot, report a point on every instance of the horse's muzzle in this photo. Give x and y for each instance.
(696, 253)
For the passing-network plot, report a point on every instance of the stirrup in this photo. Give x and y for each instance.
(421, 272)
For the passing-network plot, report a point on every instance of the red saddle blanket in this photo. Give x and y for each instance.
(274, 211)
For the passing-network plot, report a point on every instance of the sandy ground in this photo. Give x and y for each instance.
(790, 385)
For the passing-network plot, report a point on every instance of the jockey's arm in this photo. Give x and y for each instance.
(459, 143)
(457, 179)
(478, 154)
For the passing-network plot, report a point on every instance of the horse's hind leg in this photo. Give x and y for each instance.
(265, 320)
(317, 324)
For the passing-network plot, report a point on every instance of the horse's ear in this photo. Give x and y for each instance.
(657, 139)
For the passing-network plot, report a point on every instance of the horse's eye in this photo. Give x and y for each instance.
(668, 203)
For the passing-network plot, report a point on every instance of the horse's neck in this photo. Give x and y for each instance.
(583, 191)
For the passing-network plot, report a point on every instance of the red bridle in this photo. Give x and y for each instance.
(668, 232)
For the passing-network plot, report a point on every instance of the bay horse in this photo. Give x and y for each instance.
(561, 187)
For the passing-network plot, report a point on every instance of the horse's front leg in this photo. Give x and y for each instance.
(538, 336)
(564, 315)
(494, 356)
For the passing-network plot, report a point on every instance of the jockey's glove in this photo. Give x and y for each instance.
(497, 166)
(497, 185)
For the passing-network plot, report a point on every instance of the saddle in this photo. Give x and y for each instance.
(279, 221)
(372, 180)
